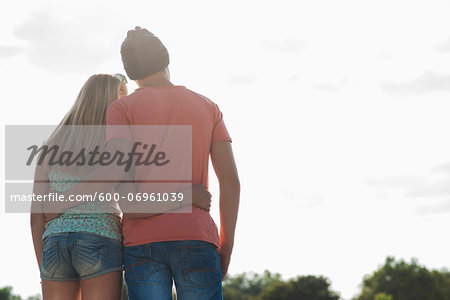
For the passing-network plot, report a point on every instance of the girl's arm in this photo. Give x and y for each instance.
(37, 219)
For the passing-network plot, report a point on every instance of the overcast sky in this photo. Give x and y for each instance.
(338, 110)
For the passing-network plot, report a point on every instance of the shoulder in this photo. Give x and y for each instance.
(202, 99)
(117, 112)
(126, 100)
(117, 107)
(121, 104)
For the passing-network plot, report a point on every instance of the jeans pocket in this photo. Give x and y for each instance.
(50, 258)
(138, 263)
(200, 265)
(90, 255)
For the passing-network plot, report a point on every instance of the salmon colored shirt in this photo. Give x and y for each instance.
(174, 105)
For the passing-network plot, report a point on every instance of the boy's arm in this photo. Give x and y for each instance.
(199, 194)
(225, 167)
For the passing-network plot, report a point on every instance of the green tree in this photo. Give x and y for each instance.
(247, 286)
(6, 294)
(382, 296)
(300, 288)
(406, 281)
(268, 286)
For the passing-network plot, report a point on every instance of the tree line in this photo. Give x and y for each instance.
(395, 280)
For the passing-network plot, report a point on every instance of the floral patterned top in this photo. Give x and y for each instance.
(101, 218)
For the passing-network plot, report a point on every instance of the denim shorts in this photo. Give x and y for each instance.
(73, 256)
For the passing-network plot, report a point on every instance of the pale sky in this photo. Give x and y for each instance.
(338, 112)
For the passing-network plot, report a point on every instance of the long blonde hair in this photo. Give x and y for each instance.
(89, 108)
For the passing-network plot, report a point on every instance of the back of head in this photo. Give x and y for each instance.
(143, 54)
(83, 125)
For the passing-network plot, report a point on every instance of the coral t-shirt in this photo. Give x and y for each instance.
(175, 105)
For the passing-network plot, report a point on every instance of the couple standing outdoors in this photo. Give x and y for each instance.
(81, 254)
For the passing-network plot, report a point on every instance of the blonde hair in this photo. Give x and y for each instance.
(89, 109)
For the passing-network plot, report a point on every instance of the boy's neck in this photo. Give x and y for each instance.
(160, 79)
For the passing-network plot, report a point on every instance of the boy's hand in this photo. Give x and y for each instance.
(51, 216)
(225, 258)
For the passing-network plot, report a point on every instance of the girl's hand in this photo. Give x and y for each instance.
(201, 197)
(123, 90)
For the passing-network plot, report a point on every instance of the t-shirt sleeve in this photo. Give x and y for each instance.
(220, 132)
(117, 123)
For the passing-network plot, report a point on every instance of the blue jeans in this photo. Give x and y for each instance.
(194, 266)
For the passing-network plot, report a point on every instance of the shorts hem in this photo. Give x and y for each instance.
(59, 279)
(102, 272)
